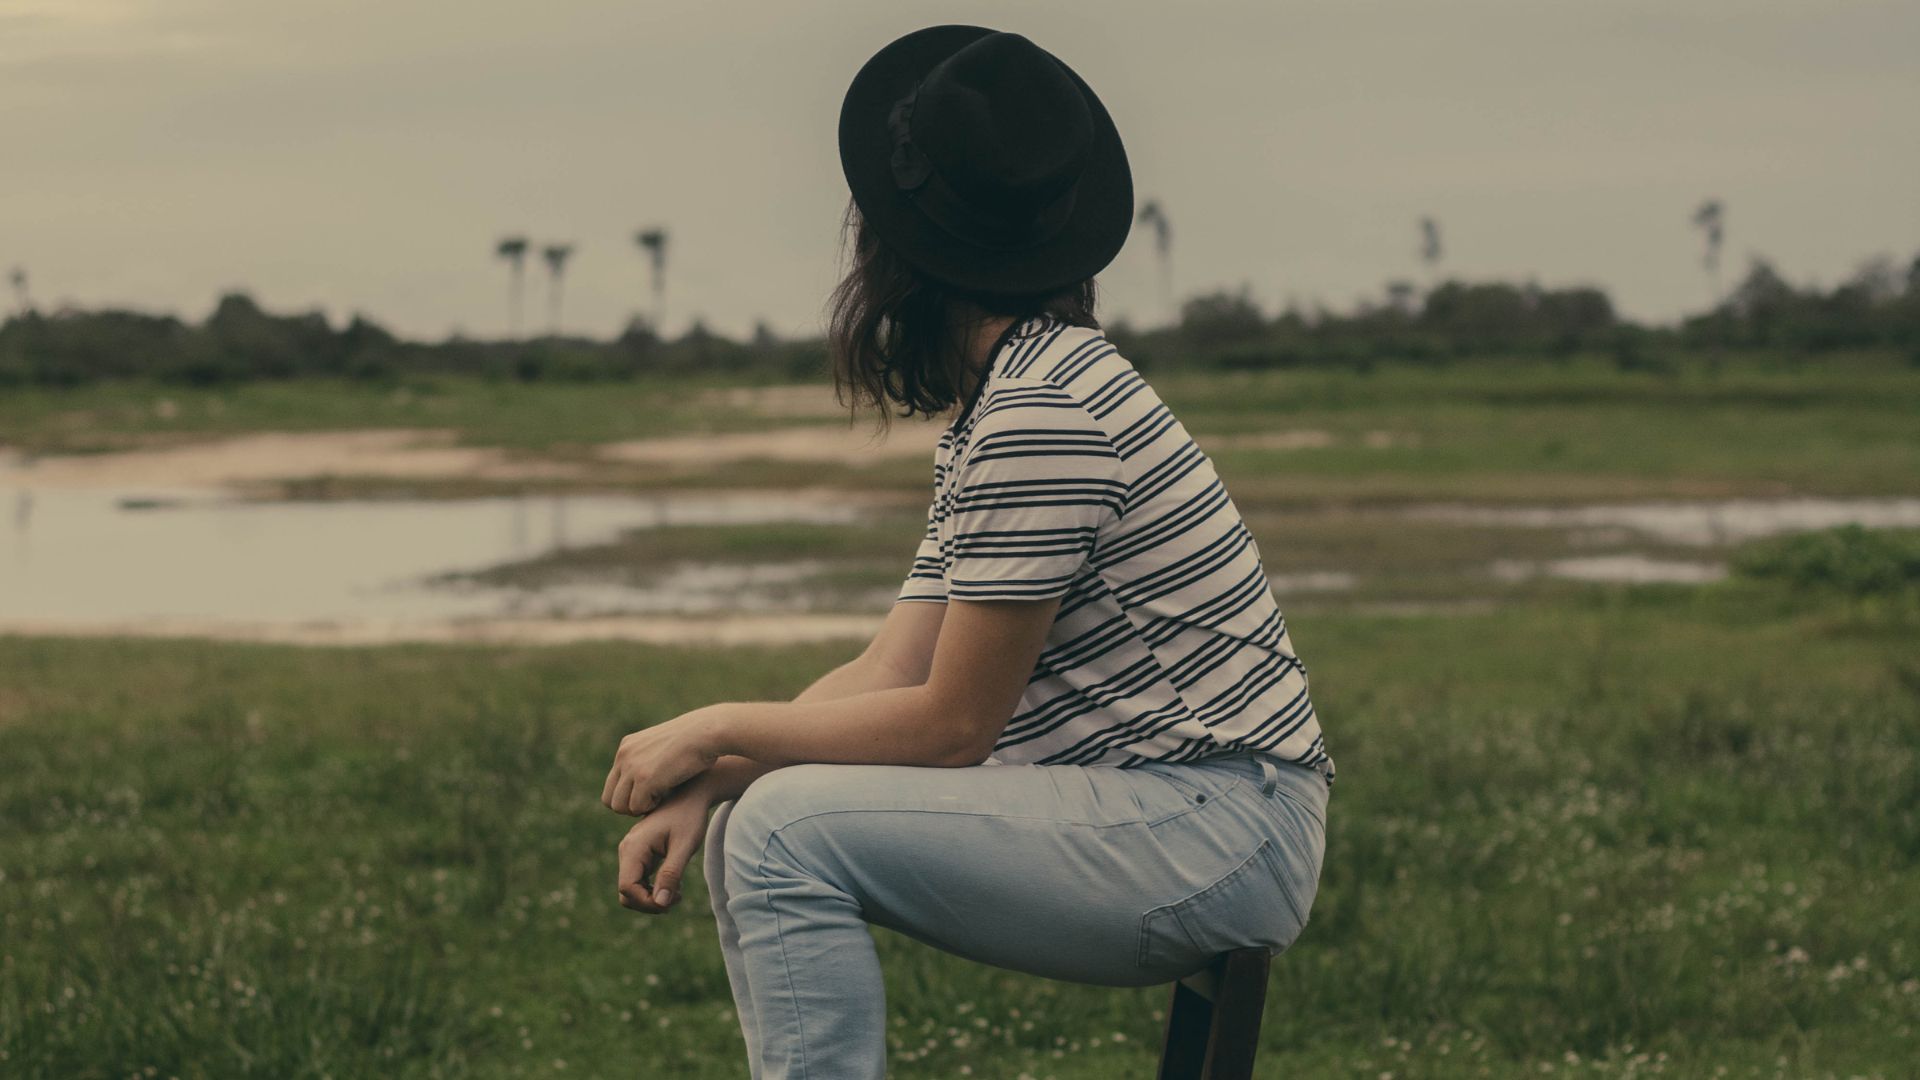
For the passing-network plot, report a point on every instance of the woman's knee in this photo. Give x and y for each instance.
(716, 839)
(775, 801)
(714, 857)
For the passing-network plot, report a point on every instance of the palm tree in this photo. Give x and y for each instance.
(18, 278)
(1430, 249)
(1711, 219)
(556, 256)
(514, 250)
(1154, 216)
(654, 242)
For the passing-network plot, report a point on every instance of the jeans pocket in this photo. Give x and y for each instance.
(1250, 906)
(1305, 851)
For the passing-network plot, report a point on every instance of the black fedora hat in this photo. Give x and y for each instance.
(985, 162)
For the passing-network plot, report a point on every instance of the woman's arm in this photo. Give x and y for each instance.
(984, 653)
(981, 663)
(655, 853)
(900, 654)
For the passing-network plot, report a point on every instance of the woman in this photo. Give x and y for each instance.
(1081, 744)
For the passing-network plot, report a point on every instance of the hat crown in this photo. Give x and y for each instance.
(985, 162)
(1004, 124)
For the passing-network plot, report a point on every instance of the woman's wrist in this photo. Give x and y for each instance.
(717, 731)
(728, 777)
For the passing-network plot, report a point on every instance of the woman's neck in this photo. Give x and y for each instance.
(979, 350)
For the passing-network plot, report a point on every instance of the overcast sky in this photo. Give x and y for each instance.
(363, 155)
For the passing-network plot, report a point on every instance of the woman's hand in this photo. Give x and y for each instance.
(653, 762)
(659, 846)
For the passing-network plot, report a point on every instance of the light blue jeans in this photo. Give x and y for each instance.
(1120, 877)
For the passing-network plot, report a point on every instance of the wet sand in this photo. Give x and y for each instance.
(832, 444)
(720, 630)
(247, 460)
(261, 461)
(1696, 523)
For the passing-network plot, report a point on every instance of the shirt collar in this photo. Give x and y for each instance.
(1018, 330)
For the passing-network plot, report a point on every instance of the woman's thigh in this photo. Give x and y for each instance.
(1100, 875)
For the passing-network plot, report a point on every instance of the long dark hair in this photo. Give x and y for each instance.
(898, 338)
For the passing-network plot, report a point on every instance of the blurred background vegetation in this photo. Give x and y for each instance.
(1877, 308)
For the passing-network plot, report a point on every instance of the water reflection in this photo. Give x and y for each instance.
(116, 556)
(96, 557)
(1702, 523)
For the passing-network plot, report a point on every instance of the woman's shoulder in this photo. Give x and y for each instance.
(1078, 360)
(1072, 363)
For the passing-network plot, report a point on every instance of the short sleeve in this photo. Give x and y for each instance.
(1038, 482)
(927, 579)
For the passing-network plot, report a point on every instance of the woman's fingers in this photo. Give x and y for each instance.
(636, 853)
(666, 880)
(626, 791)
(606, 790)
(620, 774)
(622, 800)
(659, 847)
(633, 887)
(644, 772)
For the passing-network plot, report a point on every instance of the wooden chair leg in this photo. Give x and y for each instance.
(1236, 1016)
(1213, 1020)
(1183, 1052)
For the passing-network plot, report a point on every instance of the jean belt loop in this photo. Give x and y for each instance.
(1270, 771)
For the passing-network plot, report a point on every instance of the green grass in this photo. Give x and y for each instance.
(1620, 833)
(1487, 430)
(520, 416)
(1494, 432)
(1602, 832)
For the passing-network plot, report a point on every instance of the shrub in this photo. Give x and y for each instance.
(1849, 559)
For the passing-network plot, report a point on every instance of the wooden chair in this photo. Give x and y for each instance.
(1213, 1021)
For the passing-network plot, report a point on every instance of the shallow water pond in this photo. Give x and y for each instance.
(81, 558)
(1704, 523)
(88, 555)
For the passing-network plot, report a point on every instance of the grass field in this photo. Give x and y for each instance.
(1647, 831)
(1485, 430)
(1584, 831)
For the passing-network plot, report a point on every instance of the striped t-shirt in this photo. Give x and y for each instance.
(1068, 476)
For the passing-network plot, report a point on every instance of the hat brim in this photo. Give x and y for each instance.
(1095, 230)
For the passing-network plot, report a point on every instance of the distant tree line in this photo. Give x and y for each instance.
(1878, 307)
(239, 341)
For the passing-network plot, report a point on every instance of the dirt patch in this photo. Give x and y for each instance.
(1389, 440)
(1697, 523)
(719, 630)
(254, 462)
(248, 460)
(826, 443)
